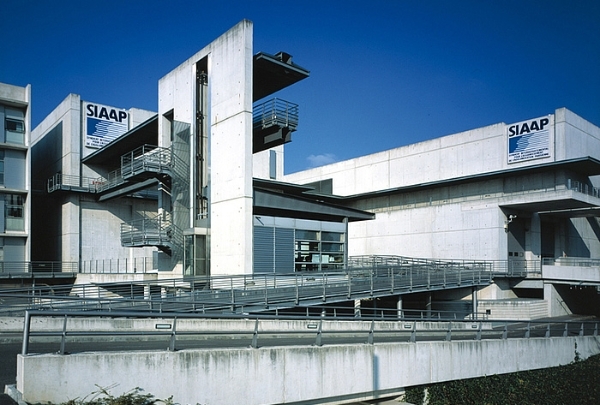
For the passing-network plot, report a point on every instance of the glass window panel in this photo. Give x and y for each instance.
(303, 246)
(332, 247)
(331, 236)
(306, 235)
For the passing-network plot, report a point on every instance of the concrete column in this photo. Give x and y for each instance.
(230, 78)
(147, 292)
(474, 301)
(399, 307)
(535, 237)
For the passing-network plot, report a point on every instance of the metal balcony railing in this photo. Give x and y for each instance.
(571, 261)
(156, 231)
(275, 112)
(582, 187)
(146, 158)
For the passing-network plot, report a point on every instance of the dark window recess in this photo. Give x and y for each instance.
(15, 125)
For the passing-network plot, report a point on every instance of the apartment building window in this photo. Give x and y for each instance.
(14, 212)
(15, 130)
(1, 167)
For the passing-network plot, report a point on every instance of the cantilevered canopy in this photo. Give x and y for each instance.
(290, 201)
(273, 73)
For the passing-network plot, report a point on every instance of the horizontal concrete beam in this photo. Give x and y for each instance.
(288, 374)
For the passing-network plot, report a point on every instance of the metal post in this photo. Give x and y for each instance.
(63, 336)
(173, 335)
(319, 332)
(26, 329)
(255, 335)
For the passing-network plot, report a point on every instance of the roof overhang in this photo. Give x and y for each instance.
(290, 201)
(587, 166)
(272, 73)
(110, 155)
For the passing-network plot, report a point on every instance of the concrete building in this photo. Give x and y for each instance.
(190, 190)
(199, 189)
(15, 178)
(522, 196)
(70, 224)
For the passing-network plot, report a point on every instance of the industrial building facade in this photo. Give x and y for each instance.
(197, 188)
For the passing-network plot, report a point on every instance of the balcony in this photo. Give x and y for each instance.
(273, 122)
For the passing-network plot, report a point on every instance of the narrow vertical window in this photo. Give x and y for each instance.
(13, 208)
(1, 167)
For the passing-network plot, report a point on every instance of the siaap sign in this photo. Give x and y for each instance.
(104, 124)
(531, 139)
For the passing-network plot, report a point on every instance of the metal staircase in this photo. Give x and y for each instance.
(158, 231)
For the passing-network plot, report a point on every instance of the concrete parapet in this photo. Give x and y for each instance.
(288, 374)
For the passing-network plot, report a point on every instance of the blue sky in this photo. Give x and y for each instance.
(384, 73)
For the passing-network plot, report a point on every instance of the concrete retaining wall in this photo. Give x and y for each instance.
(288, 374)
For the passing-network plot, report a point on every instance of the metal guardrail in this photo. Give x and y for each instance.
(135, 265)
(50, 267)
(312, 326)
(571, 261)
(155, 231)
(275, 112)
(144, 159)
(247, 293)
(582, 187)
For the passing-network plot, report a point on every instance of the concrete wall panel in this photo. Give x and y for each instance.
(288, 374)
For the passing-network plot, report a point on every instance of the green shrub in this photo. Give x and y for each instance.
(576, 383)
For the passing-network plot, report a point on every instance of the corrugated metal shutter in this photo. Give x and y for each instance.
(284, 250)
(264, 260)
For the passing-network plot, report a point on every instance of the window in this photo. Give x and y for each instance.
(319, 250)
(15, 130)
(15, 125)
(13, 211)
(1, 167)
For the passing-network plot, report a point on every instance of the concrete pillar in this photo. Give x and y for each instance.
(147, 291)
(535, 238)
(399, 307)
(230, 78)
(474, 301)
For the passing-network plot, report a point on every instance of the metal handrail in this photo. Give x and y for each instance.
(275, 112)
(252, 292)
(316, 326)
(47, 267)
(571, 261)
